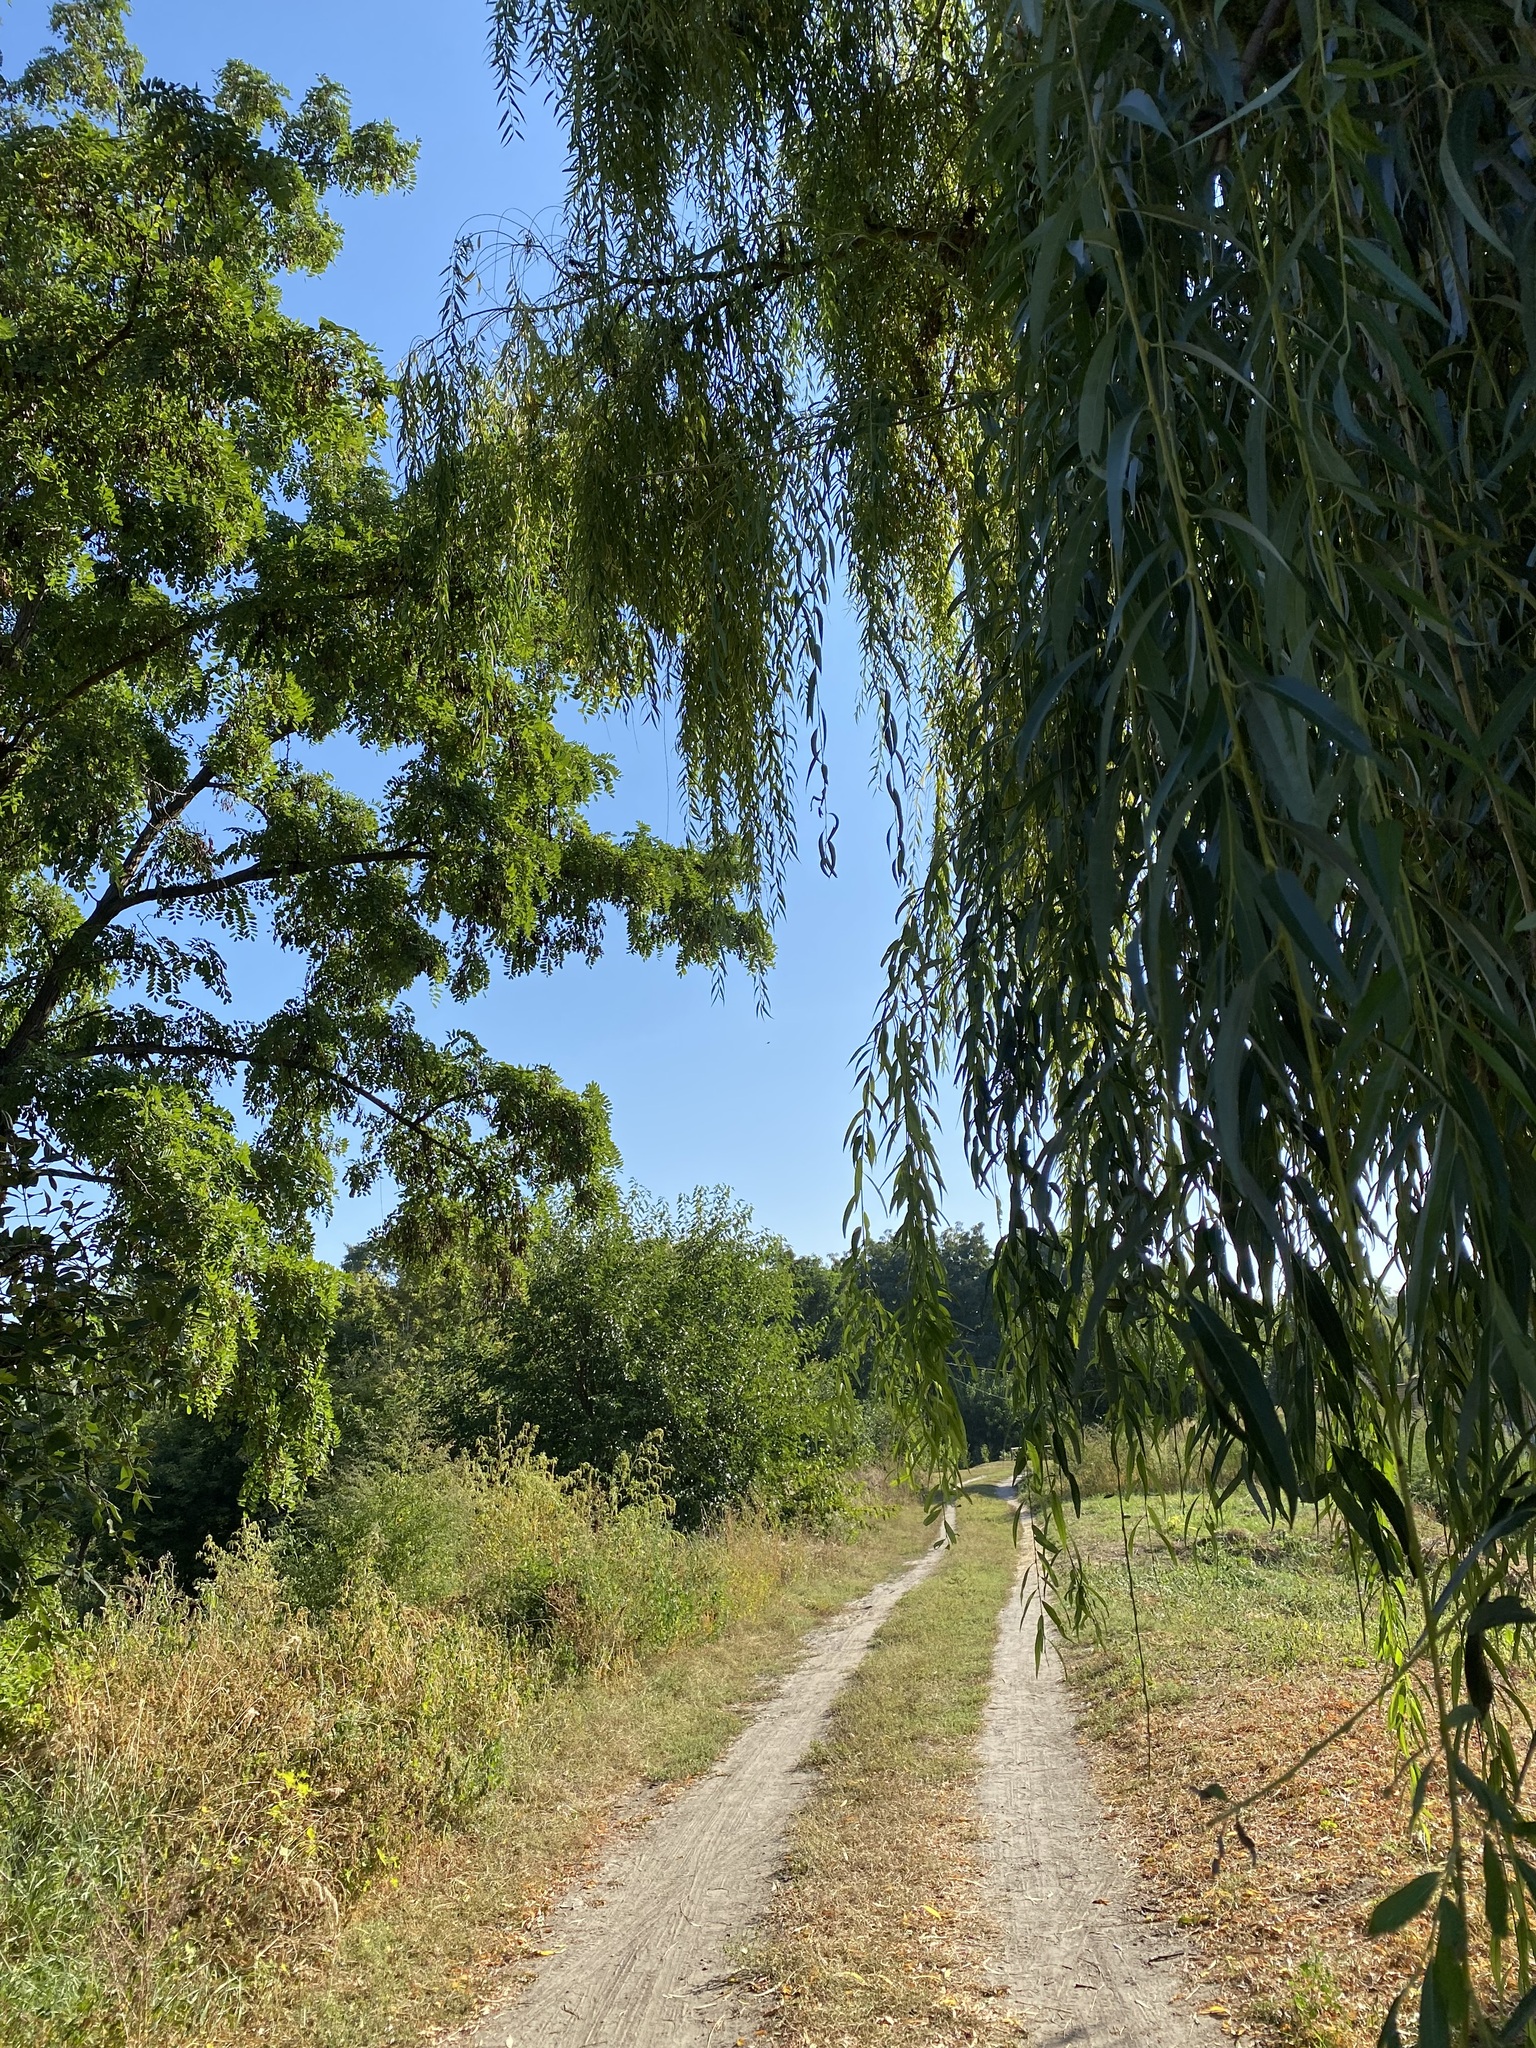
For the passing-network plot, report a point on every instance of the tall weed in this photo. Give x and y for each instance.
(193, 1789)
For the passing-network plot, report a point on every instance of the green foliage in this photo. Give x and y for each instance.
(674, 1328)
(203, 1780)
(666, 1353)
(197, 1786)
(1160, 379)
(190, 1492)
(211, 594)
(978, 1385)
(584, 1572)
(196, 1789)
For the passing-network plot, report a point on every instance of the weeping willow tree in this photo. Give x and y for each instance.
(1156, 380)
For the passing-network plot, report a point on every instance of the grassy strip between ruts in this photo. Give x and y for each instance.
(879, 1928)
(1254, 1649)
(458, 1930)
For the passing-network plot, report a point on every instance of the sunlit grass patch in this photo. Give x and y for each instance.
(1256, 1646)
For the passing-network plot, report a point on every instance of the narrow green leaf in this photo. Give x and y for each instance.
(1244, 1384)
(1319, 710)
(1103, 892)
(1518, 2020)
(1373, 1485)
(1140, 106)
(1495, 1891)
(1503, 1610)
(1090, 406)
(1116, 465)
(1493, 1803)
(1318, 1306)
(1303, 920)
(1405, 1904)
(1456, 169)
(1377, 259)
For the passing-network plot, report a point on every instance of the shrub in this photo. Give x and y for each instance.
(675, 1326)
(192, 1785)
(204, 1778)
(578, 1571)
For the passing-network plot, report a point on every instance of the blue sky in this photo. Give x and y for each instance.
(703, 1090)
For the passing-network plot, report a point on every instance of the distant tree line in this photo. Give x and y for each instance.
(979, 1384)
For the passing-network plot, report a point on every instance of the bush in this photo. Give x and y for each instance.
(200, 1781)
(673, 1327)
(646, 1334)
(579, 1572)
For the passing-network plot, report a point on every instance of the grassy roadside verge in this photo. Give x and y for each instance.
(879, 1930)
(1254, 1648)
(446, 1940)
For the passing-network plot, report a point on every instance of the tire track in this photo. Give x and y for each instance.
(653, 1970)
(1083, 1969)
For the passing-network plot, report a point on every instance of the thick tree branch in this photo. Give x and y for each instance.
(165, 814)
(269, 871)
(70, 961)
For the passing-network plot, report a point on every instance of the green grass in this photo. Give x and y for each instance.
(1250, 1599)
(1254, 1650)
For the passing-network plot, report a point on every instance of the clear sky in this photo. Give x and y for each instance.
(704, 1090)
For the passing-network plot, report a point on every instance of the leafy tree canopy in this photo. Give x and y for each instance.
(1159, 378)
(640, 1325)
(881, 1270)
(213, 591)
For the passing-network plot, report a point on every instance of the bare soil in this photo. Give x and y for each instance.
(642, 1954)
(1088, 1959)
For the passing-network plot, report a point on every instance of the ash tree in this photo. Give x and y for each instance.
(1158, 379)
(218, 604)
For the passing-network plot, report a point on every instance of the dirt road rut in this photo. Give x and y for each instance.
(1083, 1967)
(649, 1968)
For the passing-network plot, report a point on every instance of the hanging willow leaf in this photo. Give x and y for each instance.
(1160, 378)
(1405, 1904)
(1495, 1892)
(1240, 1380)
(1518, 2020)
(1371, 1484)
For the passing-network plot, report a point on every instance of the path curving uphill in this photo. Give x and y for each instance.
(651, 1969)
(1084, 1969)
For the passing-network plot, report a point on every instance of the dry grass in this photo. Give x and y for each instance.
(414, 1961)
(1256, 1652)
(879, 1929)
(211, 1807)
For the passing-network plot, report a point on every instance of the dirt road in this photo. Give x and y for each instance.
(641, 1954)
(1081, 1965)
(643, 1951)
